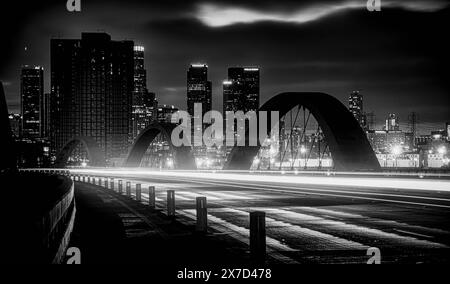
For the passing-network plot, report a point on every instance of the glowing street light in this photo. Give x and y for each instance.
(442, 150)
(397, 150)
(303, 149)
(170, 163)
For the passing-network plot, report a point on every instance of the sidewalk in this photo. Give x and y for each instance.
(110, 228)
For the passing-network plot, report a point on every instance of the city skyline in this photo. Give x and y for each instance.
(387, 56)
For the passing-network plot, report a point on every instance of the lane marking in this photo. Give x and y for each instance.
(343, 191)
(309, 192)
(414, 234)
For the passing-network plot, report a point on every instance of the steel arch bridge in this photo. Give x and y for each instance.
(346, 140)
(182, 156)
(95, 153)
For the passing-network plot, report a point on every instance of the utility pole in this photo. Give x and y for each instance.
(413, 120)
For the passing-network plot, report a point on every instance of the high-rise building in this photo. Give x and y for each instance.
(15, 121)
(91, 91)
(199, 89)
(45, 115)
(392, 123)
(144, 107)
(241, 90)
(31, 94)
(355, 105)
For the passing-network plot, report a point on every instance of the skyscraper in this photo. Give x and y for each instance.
(355, 103)
(241, 90)
(31, 94)
(91, 91)
(143, 102)
(199, 89)
(15, 121)
(45, 115)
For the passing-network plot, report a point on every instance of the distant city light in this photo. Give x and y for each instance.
(199, 65)
(397, 150)
(303, 149)
(273, 151)
(442, 150)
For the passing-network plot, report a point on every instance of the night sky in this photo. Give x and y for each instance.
(398, 58)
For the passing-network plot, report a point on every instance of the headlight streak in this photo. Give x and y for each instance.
(364, 180)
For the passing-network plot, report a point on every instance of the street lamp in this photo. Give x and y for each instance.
(303, 150)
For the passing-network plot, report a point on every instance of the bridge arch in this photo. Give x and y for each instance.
(95, 154)
(349, 147)
(183, 158)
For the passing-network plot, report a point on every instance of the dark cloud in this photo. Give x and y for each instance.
(397, 58)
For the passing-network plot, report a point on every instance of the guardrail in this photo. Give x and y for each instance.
(54, 226)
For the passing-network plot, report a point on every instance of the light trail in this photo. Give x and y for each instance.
(340, 181)
(310, 191)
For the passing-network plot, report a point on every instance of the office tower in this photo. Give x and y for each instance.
(91, 92)
(15, 121)
(355, 103)
(31, 94)
(241, 90)
(45, 115)
(199, 89)
(143, 101)
(392, 123)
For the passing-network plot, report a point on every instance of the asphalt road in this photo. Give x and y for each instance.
(318, 223)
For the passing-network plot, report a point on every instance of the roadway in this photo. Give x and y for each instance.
(315, 219)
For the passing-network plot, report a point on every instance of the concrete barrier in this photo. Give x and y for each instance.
(138, 192)
(120, 186)
(151, 197)
(128, 189)
(202, 215)
(171, 203)
(258, 236)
